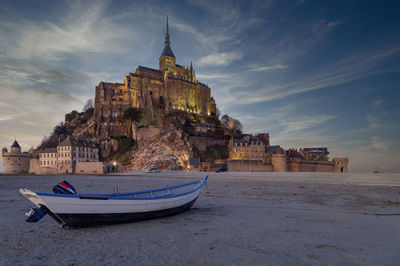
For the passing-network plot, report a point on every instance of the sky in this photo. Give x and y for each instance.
(311, 73)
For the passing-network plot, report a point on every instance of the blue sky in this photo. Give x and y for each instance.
(311, 73)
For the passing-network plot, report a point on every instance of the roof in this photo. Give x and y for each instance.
(316, 150)
(150, 69)
(205, 125)
(49, 150)
(271, 149)
(187, 81)
(72, 141)
(15, 144)
(168, 51)
(194, 161)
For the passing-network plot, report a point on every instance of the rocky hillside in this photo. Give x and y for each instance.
(169, 150)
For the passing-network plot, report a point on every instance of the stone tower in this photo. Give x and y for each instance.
(167, 59)
(15, 161)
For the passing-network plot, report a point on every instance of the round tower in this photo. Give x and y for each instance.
(15, 161)
(279, 162)
(15, 148)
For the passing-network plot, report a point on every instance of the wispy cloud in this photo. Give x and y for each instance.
(219, 59)
(343, 71)
(302, 123)
(266, 68)
(379, 143)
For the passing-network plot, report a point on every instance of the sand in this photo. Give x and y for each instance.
(241, 219)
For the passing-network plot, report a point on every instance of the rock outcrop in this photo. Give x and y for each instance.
(170, 149)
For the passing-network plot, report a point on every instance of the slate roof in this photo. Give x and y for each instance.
(168, 51)
(194, 161)
(181, 80)
(205, 125)
(72, 141)
(271, 149)
(317, 150)
(150, 69)
(15, 144)
(49, 150)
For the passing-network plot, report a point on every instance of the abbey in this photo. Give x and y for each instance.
(171, 86)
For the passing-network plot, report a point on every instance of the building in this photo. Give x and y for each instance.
(254, 154)
(204, 127)
(48, 158)
(73, 150)
(66, 156)
(170, 87)
(15, 161)
(248, 148)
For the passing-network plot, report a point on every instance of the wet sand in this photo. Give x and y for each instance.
(239, 219)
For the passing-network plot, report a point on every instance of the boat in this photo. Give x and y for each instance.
(73, 210)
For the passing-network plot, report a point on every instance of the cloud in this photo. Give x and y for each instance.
(219, 59)
(377, 103)
(266, 68)
(374, 121)
(303, 123)
(343, 71)
(379, 143)
(219, 76)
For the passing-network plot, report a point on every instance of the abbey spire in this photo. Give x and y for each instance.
(167, 59)
(166, 42)
(167, 48)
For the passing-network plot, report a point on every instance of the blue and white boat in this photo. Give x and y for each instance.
(72, 210)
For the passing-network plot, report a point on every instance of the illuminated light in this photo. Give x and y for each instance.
(115, 163)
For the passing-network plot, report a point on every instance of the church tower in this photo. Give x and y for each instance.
(167, 59)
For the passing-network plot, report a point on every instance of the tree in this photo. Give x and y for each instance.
(225, 120)
(61, 129)
(132, 114)
(88, 105)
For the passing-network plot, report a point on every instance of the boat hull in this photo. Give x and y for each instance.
(79, 220)
(86, 210)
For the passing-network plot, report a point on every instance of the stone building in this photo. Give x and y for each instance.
(254, 154)
(171, 86)
(65, 157)
(73, 150)
(248, 148)
(48, 158)
(15, 161)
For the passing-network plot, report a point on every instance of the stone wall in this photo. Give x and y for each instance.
(341, 164)
(16, 164)
(248, 166)
(202, 142)
(310, 166)
(89, 168)
(279, 162)
(34, 168)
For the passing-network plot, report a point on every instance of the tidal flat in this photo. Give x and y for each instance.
(239, 219)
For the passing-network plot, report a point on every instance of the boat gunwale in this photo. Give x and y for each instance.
(121, 196)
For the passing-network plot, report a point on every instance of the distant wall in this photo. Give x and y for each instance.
(248, 166)
(310, 166)
(89, 168)
(34, 168)
(202, 142)
(279, 163)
